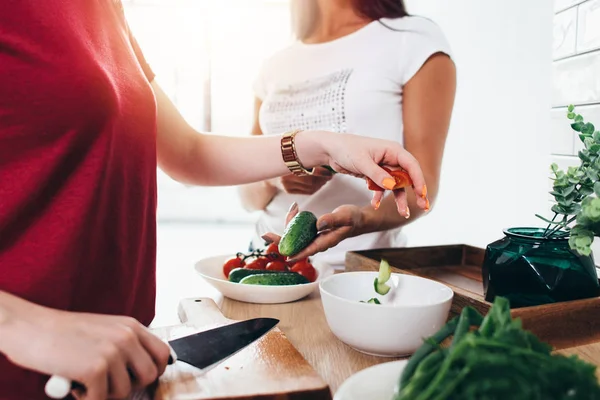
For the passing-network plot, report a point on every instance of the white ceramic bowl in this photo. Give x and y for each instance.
(211, 269)
(378, 382)
(419, 309)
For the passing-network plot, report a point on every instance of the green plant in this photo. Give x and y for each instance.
(577, 191)
(498, 360)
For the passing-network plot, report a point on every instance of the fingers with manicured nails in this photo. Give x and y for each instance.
(292, 212)
(376, 200)
(411, 165)
(271, 237)
(376, 173)
(402, 203)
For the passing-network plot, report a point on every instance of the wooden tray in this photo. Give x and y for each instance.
(269, 369)
(563, 325)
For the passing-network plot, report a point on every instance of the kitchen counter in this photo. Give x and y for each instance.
(304, 324)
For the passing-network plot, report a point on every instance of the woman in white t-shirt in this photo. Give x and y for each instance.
(362, 67)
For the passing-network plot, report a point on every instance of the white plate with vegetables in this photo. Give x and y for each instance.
(262, 277)
(497, 360)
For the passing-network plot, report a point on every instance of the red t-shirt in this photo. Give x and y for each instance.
(77, 165)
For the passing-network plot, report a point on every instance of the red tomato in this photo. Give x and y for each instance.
(298, 265)
(305, 268)
(401, 177)
(276, 266)
(309, 273)
(272, 252)
(232, 264)
(259, 263)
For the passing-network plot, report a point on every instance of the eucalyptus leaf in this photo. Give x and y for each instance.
(584, 155)
(588, 128)
(597, 188)
(596, 136)
(578, 118)
(577, 126)
(571, 115)
(571, 107)
(588, 142)
(585, 190)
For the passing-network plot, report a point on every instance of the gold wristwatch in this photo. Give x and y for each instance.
(290, 157)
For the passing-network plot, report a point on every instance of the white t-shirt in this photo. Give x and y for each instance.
(352, 84)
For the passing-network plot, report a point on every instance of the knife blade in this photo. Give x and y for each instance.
(203, 350)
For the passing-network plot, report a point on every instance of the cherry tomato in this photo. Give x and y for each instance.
(232, 264)
(272, 252)
(402, 180)
(259, 263)
(277, 266)
(298, 265)
(306, 269)
(309, 273)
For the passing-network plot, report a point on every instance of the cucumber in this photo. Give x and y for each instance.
(381, 288)
(300, 232)
(281, 279)
(372, 301)
(385, 271)
(238, 274)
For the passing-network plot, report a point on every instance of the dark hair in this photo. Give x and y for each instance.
(306, 12)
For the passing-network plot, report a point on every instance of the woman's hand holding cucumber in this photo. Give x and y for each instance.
(306, 235)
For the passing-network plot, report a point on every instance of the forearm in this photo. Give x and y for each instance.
(257, 196)
(222, 160)
(212, 160)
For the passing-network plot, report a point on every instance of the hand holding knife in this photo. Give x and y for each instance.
(202, 350)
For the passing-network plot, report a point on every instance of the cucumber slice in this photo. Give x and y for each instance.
(385, 271)
(371, 301)
(380, 287)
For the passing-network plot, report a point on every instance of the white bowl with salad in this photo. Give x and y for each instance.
(384, 314)
(262, 276)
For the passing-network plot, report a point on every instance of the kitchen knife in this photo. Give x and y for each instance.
(202, 350)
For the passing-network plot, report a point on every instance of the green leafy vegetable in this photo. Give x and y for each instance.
(497, 361)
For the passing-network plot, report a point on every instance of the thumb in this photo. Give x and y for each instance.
(376, 173)
(292, 212)
(337, 219)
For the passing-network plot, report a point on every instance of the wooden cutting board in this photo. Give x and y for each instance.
(269, 369)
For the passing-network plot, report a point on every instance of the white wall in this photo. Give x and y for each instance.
(496, 165)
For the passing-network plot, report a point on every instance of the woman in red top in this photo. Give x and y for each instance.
(82, 125)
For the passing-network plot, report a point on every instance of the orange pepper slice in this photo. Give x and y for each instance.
(402, 180)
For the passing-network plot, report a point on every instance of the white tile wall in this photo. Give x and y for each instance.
(565, 33)
(561, 134)
(576, 80)
(560, 5)
(588, 26)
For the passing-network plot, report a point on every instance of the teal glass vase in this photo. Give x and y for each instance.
(529, 269)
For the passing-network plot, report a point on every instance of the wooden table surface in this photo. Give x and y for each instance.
(304, 324)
